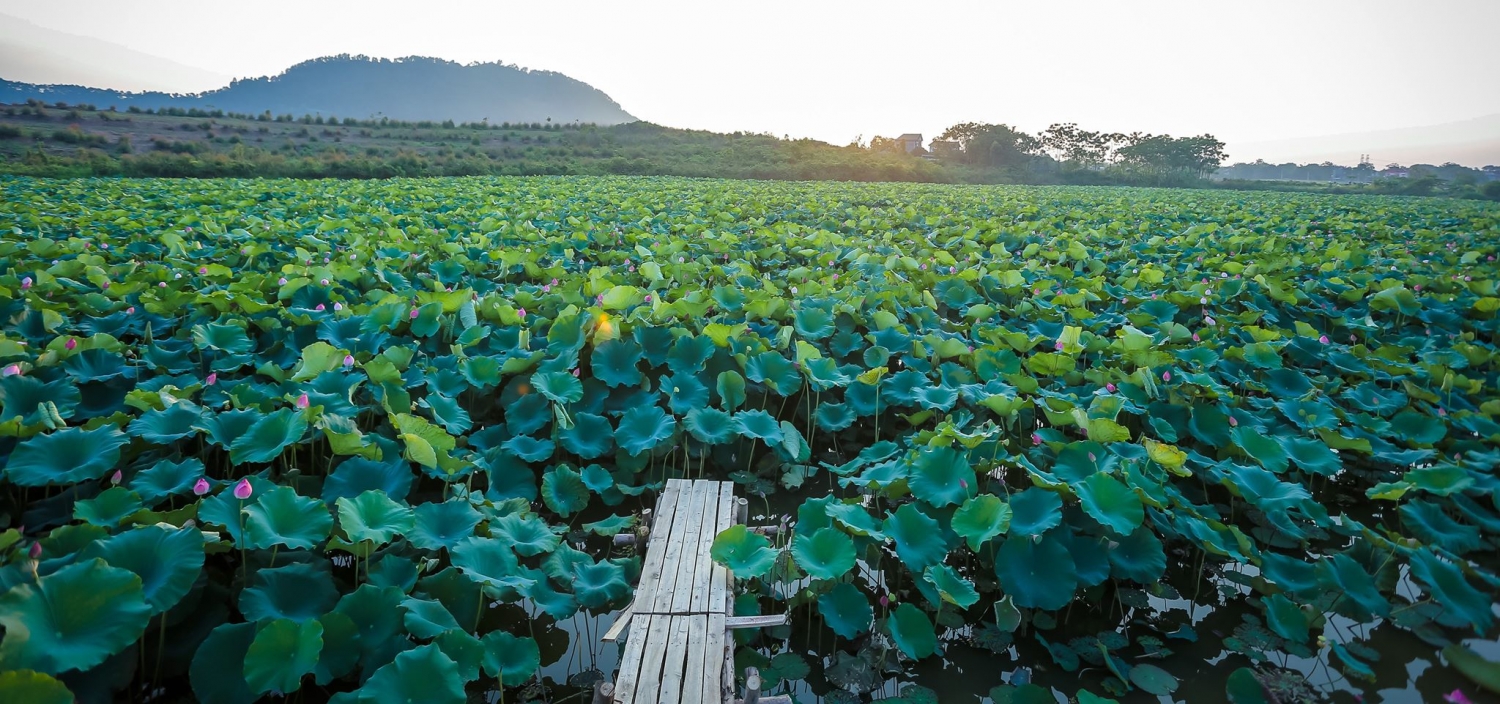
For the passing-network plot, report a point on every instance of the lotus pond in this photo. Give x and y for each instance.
(375, 441)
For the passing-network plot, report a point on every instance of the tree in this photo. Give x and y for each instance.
(991, 145)
(1164, 154)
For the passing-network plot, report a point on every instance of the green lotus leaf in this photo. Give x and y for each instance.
(558, 387)
(268, 436)
(510, 658)
(109, 508)
(825, 553)
(813, 323)
(1034, 511)
(615, 362)
(28, 398)
(529, 448)
(950, 586)
(1286, 618)
(282, 517)
(529, 413)
(1152, 679)
(448, 413)
(824, 374)
(688, 353)
(1037, 574)
(1313, 456)
(746, 554)
(591, 436)
(642, 428)
(298, 592)
(1243, 687)
(731, 388)
(527, 535)
(852, 516)
(422, 674)
(834, 417)
(1427, 520)
(33, 688)
(72, 619)
(1263, 490)
(1397, 298)
(168, 425)
(168, 561)
(981, 518)
(1452, 590)
(1288, 383)
(564, 492)
(710, 425)
(600, 585)
(65, 456)
(166, 478)
(1483, 672)
(225, 427)
(1418, 428)
(282, 652)
(426, 444)
(1361, 596)
(758, 425)
(1261, 447)
(510, 478)
(846, 610)
(919, 540)
(612, 526)
(224, 338)
(1111, 503)
(1139, 557)
(427, 619)
(373, 516)
(941, 476)
(356, 475)
(443, 525)
(218, 669)
(778, 373)
(912, 631)
(429, 320)
(489, 563)
(1443, 480)
(464, 650)
(376, 614)
(684, 393)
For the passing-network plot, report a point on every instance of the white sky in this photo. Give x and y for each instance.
(1245, 71)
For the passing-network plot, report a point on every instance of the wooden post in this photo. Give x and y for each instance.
(741, 511)
(604, 693)
(752, 685)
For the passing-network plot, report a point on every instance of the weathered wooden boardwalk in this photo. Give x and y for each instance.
(678, 647)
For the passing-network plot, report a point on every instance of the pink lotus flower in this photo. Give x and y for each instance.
(281, 281)
(104, 286)
(1110, 387)
(1457, 696)
(213, 378)
(963, 483)
(1057, 345)
(1417, 287)
(1166, 376)
(338, 306)
(600, 299)
(25, 283)
(130, 310)
(546, 288)
(648, 298)
(318, 307)
(35, 551)
(116, 477)
(575, 372)
(326, 260)
(325, 282)
(554, 283)
(414, 313)
(1195, 337)
(243, 490)
(1209, 321)
(1441, 412)
(302, 401)
(348, 360)
(953, 270)
(884, 601)
(10, 370)
(161, 284)
(1233, 422)
(522, 313)
(1036, 439)
(1323, 339)
(202, 270)
(70, 345)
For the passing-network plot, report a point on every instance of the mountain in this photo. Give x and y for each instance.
(412, 88)
(39, 55)
(1473, 142)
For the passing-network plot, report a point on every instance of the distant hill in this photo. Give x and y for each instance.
(1473, 142)
(412, 88)
(36, 54)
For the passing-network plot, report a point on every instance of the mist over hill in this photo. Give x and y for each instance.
(412, 88)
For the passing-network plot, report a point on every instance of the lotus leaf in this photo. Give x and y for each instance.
(65, 456)
(72, 619)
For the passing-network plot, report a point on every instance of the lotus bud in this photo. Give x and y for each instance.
(177, 275)
(794, 290)
(281, 281)
(325, 282)
(1323, 339)
(575, 372)
(351, 256)
(522, 313)
(1036, 439)
(648, 298)
(1058, 345)
(1110, 387)
(243, 490)
(1195, 337)
(1233, 422)
(1209, 321)
(884, 601)
(318, 307)
(302, 401)
(414, 313)
(130, 310)
(1166, 376)
(116, 477)
(25, 283)
(963, 483)
(326, 260)
(600, 299)
(35, 551)
(213, 378)
(70, 345)
(202, 270)
(348, 360)
(1442, 412)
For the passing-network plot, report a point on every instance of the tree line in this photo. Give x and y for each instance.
(1066, 146)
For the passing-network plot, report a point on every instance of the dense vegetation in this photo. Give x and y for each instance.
(411, 88)
(369, 440)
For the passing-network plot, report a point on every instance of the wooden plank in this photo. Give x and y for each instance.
(734, 622)
(713, 660)
(687, 560)
(703, 562)
(661, 598)
(652, 658)
(630, 660)
(693, 689)
(718, 592)
(677, 661)
(656, 545)
(621, 621)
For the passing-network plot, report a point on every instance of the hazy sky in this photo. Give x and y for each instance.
(1245, 71)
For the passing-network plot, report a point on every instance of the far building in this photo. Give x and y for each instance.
(910, 143)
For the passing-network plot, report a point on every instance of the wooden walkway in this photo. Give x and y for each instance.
(678, 648)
